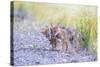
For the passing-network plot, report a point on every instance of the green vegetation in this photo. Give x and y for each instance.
(34, 46)
(83, 18)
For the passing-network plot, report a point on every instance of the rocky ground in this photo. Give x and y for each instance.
(32, 48)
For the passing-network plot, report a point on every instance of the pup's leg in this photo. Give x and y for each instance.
(64, 45)
(53, 42)
(77, 42)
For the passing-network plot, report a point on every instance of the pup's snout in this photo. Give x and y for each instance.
(58, 36)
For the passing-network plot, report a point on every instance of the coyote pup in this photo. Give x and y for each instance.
(68, 37)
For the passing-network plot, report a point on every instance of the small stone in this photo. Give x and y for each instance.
(37, 62)
(74, 61)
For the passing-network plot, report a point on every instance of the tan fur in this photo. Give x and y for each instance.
(63, 36)
(66, 36)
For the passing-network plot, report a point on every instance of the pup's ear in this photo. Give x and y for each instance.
(50, 25)
(43, 30)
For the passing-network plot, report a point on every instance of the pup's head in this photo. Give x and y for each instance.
(70, 32)
(46, 32)
(51, 31)
(60, 32)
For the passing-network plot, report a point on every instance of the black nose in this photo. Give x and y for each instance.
(58, 36)
(71, 39)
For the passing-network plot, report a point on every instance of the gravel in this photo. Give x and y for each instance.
(25, 53)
